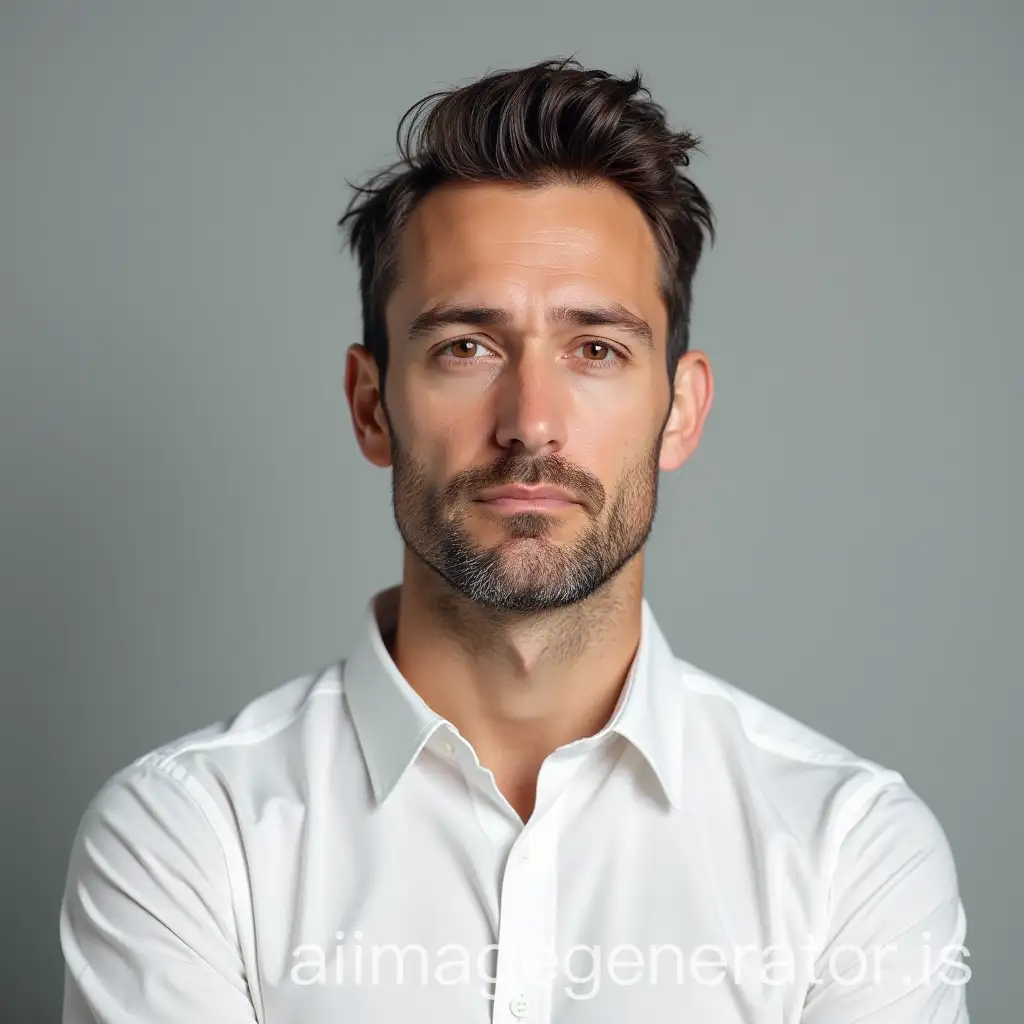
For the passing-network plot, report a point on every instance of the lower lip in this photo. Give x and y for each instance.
(529, 504)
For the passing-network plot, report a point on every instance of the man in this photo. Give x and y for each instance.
(511, 801)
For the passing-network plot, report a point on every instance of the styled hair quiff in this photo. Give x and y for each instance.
(551, 122)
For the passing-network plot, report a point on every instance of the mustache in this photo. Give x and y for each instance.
(517, 469)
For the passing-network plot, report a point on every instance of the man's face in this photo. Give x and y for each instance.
(519, 395)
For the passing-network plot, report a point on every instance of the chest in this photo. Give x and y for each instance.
(595, 913)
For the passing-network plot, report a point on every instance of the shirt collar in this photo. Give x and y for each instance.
(393, 723)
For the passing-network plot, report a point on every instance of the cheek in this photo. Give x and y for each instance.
(612, 433)
(443, 437)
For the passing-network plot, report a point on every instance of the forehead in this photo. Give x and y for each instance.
(522, 245)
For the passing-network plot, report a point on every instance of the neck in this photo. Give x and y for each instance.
(517, 686)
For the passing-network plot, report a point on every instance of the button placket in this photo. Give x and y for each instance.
(527, 921)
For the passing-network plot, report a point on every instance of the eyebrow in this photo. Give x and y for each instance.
(612, 314)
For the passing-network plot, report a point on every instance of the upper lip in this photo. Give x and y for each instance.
(525, 493)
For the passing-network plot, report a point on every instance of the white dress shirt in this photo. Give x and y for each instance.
(336, 853)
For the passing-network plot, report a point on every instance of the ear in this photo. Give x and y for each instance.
(693, 390)
(369, 420)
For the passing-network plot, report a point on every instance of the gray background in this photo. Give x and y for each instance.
(185, 519)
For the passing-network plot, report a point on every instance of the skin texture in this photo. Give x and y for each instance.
(519, 627)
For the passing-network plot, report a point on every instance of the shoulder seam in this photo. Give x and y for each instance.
(170, 753)
(785, 748)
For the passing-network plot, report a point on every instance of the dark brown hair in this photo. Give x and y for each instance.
(553, 121)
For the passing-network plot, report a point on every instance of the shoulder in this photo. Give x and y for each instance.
(760, 725)
(305, 702)
(201, 783)
(158, 877)
(869, 845)
(820, 789)
(267, 745)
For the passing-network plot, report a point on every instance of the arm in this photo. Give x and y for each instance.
(895, 904)
(146, 923)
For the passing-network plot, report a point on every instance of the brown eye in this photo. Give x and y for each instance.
(454, 346)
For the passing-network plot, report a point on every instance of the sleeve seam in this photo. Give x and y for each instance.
(171, 771)
(849, 816)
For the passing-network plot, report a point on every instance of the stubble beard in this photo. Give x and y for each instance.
(527, 572)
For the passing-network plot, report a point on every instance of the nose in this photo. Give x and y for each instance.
(532, 404)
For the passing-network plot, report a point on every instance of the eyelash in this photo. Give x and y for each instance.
(599, 363)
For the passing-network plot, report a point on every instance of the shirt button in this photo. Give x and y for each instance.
(448, 748)
(524, 854)
(519, 1006)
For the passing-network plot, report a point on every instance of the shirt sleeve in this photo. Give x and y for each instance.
(893, 952)
(146, 922)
